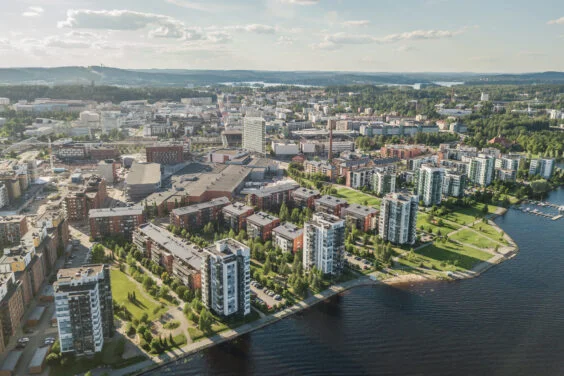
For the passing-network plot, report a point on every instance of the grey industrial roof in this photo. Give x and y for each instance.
(261, 218)
(197, 207)
(11, 361)
(144, 173)
(178, 247)
(306, 193)
(39, 356)
(288, 230)
(115, 212)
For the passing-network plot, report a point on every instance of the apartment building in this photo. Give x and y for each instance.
(330, 205)
(429, 184)
(84, 308)
(384, 182)
(254, 134)
(304, 197)
(270, 197)
(12, 229)
(324, 243)
(11, 305)
(481, 170)
(260, 225)
(115, 221)
(195, 217)
(235, 215)
(320, 167)
(165, 153)
(454, 184)
(542, 167)
(226, 278)
(288, 237)
(87, 194)
(361, 217)
(28, 267)
(180, 258)
(398, 218)
(4, 198)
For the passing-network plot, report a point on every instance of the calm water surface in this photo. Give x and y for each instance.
(510, 321)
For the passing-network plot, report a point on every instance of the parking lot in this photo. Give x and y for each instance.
(262, 294)
(361, 263)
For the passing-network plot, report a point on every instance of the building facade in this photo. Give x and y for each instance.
(398, 218)
(260, 225)
(330, 205)
(165, 154)
(324, 243)
(226, 278)
(195, 217)
(12, 229)
(84, 308)
(384, 182)
(481, 170)
(542, 167)
(454, 184)
(254, 134)
(288, 237)
(115, 221)
(429, 185)
(235, 216)
(361, 217)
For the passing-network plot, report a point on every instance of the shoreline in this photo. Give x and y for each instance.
(366, 280)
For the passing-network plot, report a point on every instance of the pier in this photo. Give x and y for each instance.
(541, 214)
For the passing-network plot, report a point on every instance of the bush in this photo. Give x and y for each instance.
(53, 359)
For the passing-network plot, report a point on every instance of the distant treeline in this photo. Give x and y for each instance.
(99, 93)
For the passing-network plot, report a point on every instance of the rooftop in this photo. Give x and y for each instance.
(115, 212)
(328, 200)
(237, 208)
(226, 248)
(306, 193)
(175, 245)
(360, 210)
(261, 219)
(325, 219)
(197, 207)
(11, 361)
(144, 173)
(288, 230)
(12, 218)
(67, 275)
(39, 356)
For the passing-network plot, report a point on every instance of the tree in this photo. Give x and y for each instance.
(98, 254)
(267, 266)
(485, 209)
(205, 321)
(283, 214)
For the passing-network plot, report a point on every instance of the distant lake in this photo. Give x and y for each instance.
(507, 322)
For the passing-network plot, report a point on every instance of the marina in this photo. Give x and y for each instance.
(538, 212)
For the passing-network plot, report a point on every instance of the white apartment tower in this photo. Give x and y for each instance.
(84, 308)
(430, 184)
(384, 182)
(324, 243)
(542, 167)
(226, 277)
(254, 134)
(481, 170)
(398, 218)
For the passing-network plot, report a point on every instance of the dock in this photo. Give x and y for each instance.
(540, 214)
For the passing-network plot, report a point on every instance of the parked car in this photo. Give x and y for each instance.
(277, 297)
(357, 258)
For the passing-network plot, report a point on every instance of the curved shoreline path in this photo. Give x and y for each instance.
(149, 366)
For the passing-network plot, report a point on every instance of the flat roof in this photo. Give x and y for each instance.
(360, 210)
(115, 212)
(237, 208)
(69, 274)
(329, 200)
(261, 218)
(306, 193)
(39, 356)
(197, 207)
(11, 361)
(144, 173)
(175, 245)
(288, 230)
(37, 313)
(226, 248)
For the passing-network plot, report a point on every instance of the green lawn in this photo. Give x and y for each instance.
(489, 231)
(470, 237)
(465, 216)
(121, 285)
(445, 257)
(446, 228)
(357, 197)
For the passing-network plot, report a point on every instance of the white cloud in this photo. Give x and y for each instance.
(114, 19)
(559, 21)
(334, 41)
(193, 5)
(531, 53)
(405, 48)
(33, 12)
(285, 40)
(300, 2)
(253, 28)
(356, 23)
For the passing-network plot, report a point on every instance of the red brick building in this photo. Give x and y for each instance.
(260, 225)
(403, 151)
(304, 197)
(165, 154)
(83, 197)
(288, 237)
(330, 205)
(361, 217)
(115, 221)
(12, 229)
(195, 217)
(271, 197)
(235, 216)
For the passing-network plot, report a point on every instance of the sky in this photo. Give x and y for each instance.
(321, 35)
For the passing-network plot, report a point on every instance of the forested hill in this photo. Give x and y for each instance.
(182, 78)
